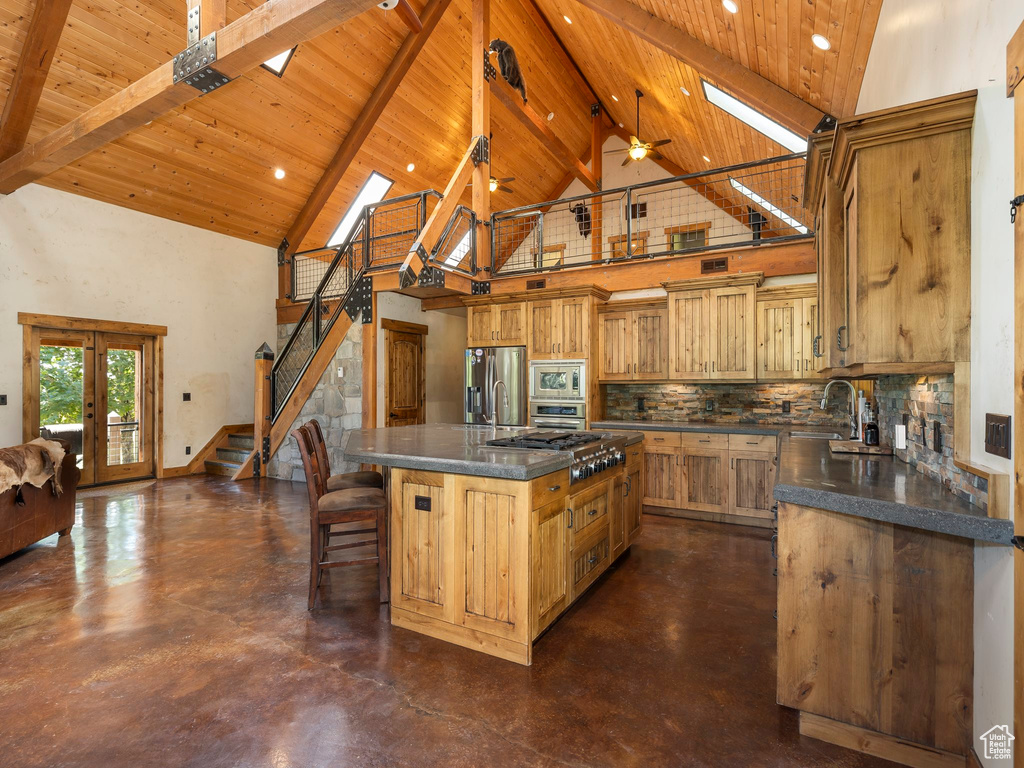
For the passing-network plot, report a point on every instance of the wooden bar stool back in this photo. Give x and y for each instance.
(348, 479)
(351, 505)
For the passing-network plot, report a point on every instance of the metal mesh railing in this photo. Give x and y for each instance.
(456, 248)
(727, 207)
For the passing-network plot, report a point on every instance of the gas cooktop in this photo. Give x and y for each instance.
(592, 452)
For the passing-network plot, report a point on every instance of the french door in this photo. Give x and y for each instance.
(96, 390)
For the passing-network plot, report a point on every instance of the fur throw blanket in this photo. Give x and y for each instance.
(33, 463)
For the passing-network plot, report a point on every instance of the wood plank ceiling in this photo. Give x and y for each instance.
(211, 163)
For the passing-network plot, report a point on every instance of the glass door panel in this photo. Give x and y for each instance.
(66, 393)
(124, 390)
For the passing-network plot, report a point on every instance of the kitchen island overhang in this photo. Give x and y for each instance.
(489, 546)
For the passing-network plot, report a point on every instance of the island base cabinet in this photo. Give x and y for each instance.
(550, 546)
(875, 627)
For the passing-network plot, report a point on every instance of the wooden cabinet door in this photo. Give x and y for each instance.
(732, 314)
(590, 557)
(662, 477)
(689, 335)
(705, 480)
(510, 324)
(542, 330)
(780, 337)
(650, 356)
(632, 509)
(573, 324)
(550, 554)
(615, 336)
(751, 480)
(811, 366)
(616, 518)
(480, 327)
(421, 544)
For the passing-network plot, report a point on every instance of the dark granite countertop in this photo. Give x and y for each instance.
(456, 448)
(875, 487)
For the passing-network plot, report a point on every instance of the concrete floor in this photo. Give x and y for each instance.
(172, 631)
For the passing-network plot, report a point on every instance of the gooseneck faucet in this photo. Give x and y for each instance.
(854, 426)
(494, 402)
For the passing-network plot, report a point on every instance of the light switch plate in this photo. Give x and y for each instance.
(899, 437)
(3, 399)
(997, 435)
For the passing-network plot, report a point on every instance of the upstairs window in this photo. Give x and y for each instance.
(754, 119)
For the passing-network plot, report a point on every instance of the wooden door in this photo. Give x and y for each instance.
(616, 518)
(480, 324)
(632, 509)
(811, 366)
(573, 324)
(615, 342)
(732, 314)
(650, 355)
(125, 407)
(510, 324)
(689, 335)
(705, 480)
(662, 477)
(542, 330)
(780, 336)
(550, 550)
(751, 480)
(405, 398)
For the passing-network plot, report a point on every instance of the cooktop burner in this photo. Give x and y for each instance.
(548, 441)
(592, 452)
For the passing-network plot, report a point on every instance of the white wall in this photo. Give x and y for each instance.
(62, 254)
(444, 351)
(928, 48)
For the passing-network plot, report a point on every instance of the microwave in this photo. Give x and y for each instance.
(558, 380)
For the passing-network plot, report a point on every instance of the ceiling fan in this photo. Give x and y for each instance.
(637, 149)
(500, 185)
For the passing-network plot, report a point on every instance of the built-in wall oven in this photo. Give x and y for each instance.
(558, 394)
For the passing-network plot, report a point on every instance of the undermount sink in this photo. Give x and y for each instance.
(817, 435)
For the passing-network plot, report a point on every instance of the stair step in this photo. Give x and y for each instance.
(242, 441)
(237, 455)
(217, 467)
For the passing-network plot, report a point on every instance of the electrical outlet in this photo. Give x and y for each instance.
(641, 404)
(341, 372)
(923, 424)
(709, 405)
(188, 450)
(186, 397)
(936, 437)
(3, 399)
(787, 407)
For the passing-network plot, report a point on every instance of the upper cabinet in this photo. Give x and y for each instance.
(497, 325)
(786, 326)
(633, 341)
(892, 206)
(559, 328)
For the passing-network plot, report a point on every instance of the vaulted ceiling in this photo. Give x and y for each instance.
(211, 162)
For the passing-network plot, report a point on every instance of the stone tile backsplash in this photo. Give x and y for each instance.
(930, 397)
(760, 403)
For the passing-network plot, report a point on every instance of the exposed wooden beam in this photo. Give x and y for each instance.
(242, 45)
(746, 85)
(364, 124)
(538, 126)
(213, 15)
(408, 16)
(481, 124)
(44, 32)
(558, 48)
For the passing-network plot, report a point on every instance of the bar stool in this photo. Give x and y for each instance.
(327, 508)
(348, 479)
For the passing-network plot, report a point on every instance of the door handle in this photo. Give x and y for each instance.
(570, 517)
(394, 415)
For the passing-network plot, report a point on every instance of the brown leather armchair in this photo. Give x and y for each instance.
(43, 514)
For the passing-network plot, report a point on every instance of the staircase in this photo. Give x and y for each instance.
(229, 457)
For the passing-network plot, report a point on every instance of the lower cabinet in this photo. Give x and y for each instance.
(662, 478)
(550, 545)
(704, 481)
(751, 478)
(590, 557)
(616, 521)
(632, 506)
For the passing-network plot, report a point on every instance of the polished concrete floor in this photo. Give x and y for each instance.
(172, 630)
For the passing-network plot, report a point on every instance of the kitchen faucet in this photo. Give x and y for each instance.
(854, 426)
(494, 402)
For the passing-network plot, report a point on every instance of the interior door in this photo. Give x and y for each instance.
(124, 407)
(405, 378)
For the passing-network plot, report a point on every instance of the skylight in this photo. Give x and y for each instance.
(279, 63)
(460, 251)
(754, 119)
(373, 191)
(773, 210)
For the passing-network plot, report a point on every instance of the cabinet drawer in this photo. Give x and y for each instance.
(634, 455)
(546, 489)
(588, 508)
(704, 440)
(766, 443)
(589, 560)
(661, 438)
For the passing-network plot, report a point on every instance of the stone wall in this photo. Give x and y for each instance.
(930, 397)
(760, 403)
(337, 403)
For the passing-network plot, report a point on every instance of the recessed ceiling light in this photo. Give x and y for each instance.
(685, 92)
(730, 6)
(821, 41)
(615, 97)
(707, 159)
(279, 173)
(410, 167)
(551, 116)
(621, 125)
(567, 19)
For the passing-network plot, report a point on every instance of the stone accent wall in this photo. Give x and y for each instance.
(337, 403)
(741, 403)
(932, 398)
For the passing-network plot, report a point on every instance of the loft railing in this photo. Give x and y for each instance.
(456, 248)
(745, 204)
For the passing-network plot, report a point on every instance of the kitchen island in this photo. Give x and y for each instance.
(489, 545)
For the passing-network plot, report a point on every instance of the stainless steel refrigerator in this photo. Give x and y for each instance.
(485, 366)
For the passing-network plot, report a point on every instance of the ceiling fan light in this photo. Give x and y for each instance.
(638, 152)
(493, 184)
